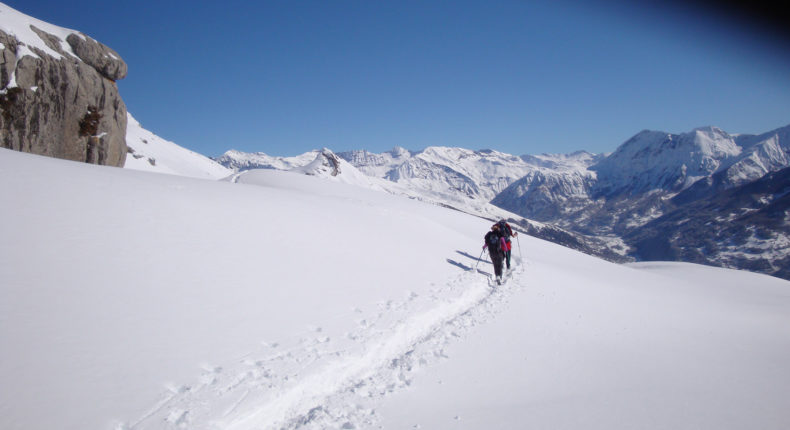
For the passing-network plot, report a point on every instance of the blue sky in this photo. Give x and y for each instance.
(522, 77)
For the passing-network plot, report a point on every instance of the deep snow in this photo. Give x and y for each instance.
(134, 300)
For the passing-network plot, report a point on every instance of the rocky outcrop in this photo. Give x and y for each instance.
(326, 163)
(59, 98)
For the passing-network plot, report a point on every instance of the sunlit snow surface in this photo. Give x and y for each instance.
(149, 152)
(134, 300)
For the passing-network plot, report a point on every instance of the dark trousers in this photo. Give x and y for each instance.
(496, 258)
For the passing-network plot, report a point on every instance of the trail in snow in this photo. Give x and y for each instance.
(315, 381)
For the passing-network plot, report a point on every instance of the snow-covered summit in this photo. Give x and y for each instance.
(762, 154)
(658, 160)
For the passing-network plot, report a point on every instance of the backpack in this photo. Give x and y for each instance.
(505, 231)
(492, 240)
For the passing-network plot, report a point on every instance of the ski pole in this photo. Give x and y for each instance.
(520, 254)
(479, 258)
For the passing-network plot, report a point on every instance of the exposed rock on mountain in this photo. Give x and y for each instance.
(57, 92)
(743, 227)
(325, 163)
(665, 196)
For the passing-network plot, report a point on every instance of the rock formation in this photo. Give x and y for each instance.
(58, 97)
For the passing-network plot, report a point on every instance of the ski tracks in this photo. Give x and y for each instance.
(317, 382)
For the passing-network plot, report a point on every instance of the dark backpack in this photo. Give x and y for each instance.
(492, 239)
(505, 231)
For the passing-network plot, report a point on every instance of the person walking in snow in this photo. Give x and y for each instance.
(506, 232)
(496, 249)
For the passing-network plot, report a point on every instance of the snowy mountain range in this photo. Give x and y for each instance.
(457, 178)
(598, 200)
(655, 174)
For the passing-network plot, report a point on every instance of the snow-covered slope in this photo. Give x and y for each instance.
(130, 300)
(641, 347)
(151, 153)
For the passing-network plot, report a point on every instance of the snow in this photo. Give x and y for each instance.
(259, 160)
(657, 160)
(133, 300)
(18, 24)
(422, 182)
(151, 153)
(653, 346)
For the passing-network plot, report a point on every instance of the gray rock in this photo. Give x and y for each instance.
(63, 107)
(97, 55)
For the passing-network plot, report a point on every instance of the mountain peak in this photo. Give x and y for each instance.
(399, 151)
(710, 129)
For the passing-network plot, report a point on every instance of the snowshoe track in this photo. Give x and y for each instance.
(317, 382)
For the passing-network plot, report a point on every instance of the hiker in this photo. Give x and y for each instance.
(496, 249)
(506, 232)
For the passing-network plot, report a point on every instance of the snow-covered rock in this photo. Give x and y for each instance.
(58, 92)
